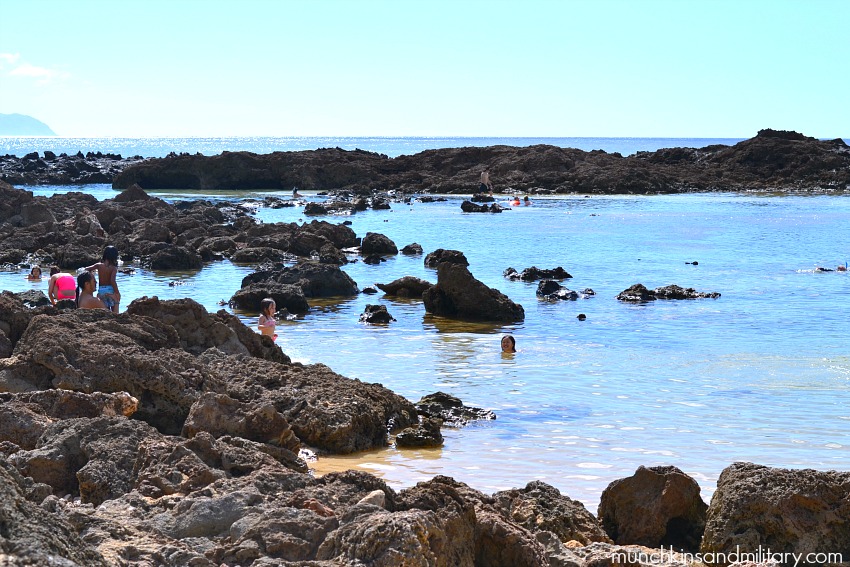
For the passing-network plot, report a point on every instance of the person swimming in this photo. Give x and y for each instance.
(35, 274)
(508, 343)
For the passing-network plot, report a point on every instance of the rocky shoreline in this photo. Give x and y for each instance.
(771, 161)
(168, 435)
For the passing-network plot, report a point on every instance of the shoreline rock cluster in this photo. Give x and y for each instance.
(168, 435)
(772, 160)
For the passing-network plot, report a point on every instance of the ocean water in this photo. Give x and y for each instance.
(760, 374)
(391, 146)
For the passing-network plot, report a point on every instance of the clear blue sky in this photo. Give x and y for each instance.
(663, 68)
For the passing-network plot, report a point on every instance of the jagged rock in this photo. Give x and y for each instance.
(551, 290)
(470, 207)
(459, 294)
(373, 259)
(657, 506)
(412, 249)
(425, 434)
(376, 243)
(376, 315)
(176, 258)
(639, 293)
(800, 511)
(441, 255)
(451, 410)
(25, 416)
(541, 507)
(534, 273)
(407, 286)
(32, 535)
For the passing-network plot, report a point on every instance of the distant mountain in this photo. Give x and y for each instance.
(22, 125)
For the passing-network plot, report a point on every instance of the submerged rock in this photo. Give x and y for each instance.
(451, 410)
(376, 315)
(639, 293)
(534, 273)
(470, 207)
(551, 290)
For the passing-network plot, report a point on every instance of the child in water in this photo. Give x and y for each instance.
(35, 274)
(266, 324)
(107, 269)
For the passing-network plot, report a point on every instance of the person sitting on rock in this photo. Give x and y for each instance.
(508, 343)
(35, 274)
(267, 323)
(60, 286)
(86, 286)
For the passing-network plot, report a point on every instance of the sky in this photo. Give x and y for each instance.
(606, 68)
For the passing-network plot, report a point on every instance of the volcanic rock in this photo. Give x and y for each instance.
(800, 511)
(407, 286)
(314, 278)
(553, 291)
(534, 273)
(412, 249)
(459, 294)
(425, 434)
(376, 315)
(451, 410)
(440, 255)
(376, 243)
(639, 293)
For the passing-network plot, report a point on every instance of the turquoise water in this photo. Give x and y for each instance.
(761, 374)
(391, 146)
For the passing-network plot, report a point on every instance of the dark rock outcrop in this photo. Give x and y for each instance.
(534, 273)
(470, 207)
(551, 290)
(412, 249)
(425, 434)
(377, 243)
(450, 410)
(800, 511)
(315, 279)
(440, 255)
(657, 506)
(640, 293)
(286, 296)
(407, 286)
(376, 315)
(459, 294)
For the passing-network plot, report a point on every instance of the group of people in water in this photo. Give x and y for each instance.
(84, 289)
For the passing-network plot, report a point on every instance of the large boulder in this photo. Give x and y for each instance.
(459, 294)
(286, 296)
(376, 243)
(176, 258)
(657, 506)
(315, 279)
(798, 511)
(440, 255)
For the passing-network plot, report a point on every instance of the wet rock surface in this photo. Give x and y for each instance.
(639, 293)
(451, 410)
(534, 273)
(657, 506)
(441, 255)
(376, 243)
(425, 434)
(376, 315)
(315, 279)
(470, 207)
(551, 290)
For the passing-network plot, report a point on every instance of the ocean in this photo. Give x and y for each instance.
(391, 146)
(760, 374)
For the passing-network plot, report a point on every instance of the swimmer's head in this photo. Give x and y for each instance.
(508, 343)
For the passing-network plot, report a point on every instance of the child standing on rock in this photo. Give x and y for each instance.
(107, 269)
(266, 324)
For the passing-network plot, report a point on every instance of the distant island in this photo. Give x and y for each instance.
(23, 125)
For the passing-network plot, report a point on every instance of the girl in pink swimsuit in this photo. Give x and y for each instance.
(266, 323)
(61, 286)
